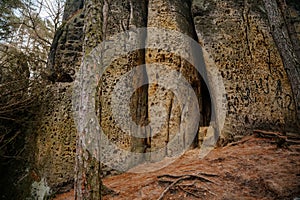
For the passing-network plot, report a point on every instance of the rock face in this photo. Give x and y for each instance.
(237, 40)
(120, 16)
(165, 112)
(237, 36)
(54, 160)
(66, 49)
(56, 139)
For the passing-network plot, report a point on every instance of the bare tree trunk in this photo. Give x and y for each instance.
(87, 182)
(87, 179)
(284, 42)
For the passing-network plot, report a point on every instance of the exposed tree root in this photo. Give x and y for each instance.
(242, 141)
(269, 134)
(175, 179)
(278, 138)
(281, 139)
(189, 192)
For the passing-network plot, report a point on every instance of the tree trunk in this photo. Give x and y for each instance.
(284, 42)
(87, 179)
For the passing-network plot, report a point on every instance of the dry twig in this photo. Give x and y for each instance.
(189, 192)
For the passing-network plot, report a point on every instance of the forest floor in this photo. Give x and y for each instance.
(253, 168)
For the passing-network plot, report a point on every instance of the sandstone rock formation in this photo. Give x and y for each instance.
(56, 138)
(66, 49)
(54, 161)
(236, 37)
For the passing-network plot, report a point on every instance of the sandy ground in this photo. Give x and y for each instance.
(254, 169)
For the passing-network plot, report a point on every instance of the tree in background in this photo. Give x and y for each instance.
(285, 37)
(26, 32)
(8, 17)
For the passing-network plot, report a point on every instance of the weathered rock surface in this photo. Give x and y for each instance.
(121, 16)
(237, 39)
(66, 49)
(165, 112)
(54, 161)
(55, 139)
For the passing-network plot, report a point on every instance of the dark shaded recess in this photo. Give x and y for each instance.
(206, 108)
(16, 156)
(65, 78)
(294, 4)
(140, 113)
(204, 94)
(206, 104)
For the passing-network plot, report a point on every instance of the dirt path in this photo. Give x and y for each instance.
(255, 169)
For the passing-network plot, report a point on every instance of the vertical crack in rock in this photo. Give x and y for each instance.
(258, 90)
(246, 11)
(120, 16)
(163, 104)
(139, 100)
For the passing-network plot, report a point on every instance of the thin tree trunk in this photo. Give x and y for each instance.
(87, 178)
(286, 49)
(88, 182)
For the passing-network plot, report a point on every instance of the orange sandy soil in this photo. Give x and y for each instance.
(250, 170)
